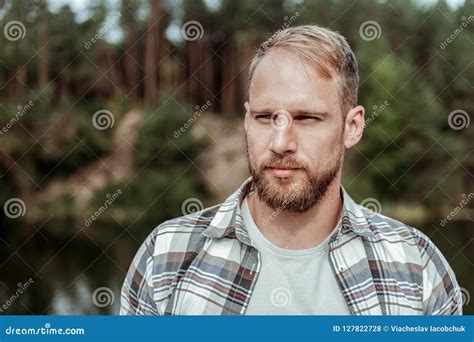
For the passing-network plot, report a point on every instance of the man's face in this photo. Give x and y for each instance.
(294, 129)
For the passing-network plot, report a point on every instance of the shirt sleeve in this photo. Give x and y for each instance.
(441, 292)
(137, 290)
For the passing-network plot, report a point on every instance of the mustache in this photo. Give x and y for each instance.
(283, 163)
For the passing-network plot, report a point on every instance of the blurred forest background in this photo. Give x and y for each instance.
(117, 115)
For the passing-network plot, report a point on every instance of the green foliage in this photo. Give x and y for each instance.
(409, 69)
(160, 140)
(165, 171)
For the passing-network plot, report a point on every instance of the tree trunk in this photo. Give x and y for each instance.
(43, 66)
(229, 73)
(132, 68)
(151, 53)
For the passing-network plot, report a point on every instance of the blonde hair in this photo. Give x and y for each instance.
(327, 49)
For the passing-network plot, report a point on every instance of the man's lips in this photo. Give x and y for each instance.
(283, 172)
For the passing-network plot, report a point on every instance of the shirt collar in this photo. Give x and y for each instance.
(228, 222)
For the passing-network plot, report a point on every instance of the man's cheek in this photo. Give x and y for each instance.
(255, 148)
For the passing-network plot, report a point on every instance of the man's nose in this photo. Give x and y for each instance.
(283, 140)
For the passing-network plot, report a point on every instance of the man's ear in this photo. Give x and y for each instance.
(354, 126)
(247, 113)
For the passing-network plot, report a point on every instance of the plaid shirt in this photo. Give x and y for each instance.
(205, 264)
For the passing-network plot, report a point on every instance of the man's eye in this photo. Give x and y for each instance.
(263, 117)
(307, 118)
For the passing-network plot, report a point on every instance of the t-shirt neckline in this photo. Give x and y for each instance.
(259, 238)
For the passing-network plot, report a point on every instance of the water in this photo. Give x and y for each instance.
(83, 273)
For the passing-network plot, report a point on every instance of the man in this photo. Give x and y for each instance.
(290, 240)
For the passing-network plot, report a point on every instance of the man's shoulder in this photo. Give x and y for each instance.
(413, 257)
(388, 228)
(186, 226)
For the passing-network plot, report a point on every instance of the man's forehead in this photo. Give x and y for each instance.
(288, 80)
(283, 70)
(294, 102)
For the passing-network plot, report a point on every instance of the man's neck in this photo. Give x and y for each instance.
(298, 230)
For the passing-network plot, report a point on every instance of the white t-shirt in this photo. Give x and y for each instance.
(293, 281)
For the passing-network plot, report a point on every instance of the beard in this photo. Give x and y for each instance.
(301, 191)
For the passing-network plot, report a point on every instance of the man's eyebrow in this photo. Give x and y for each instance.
(294, 113)
(310, 112)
